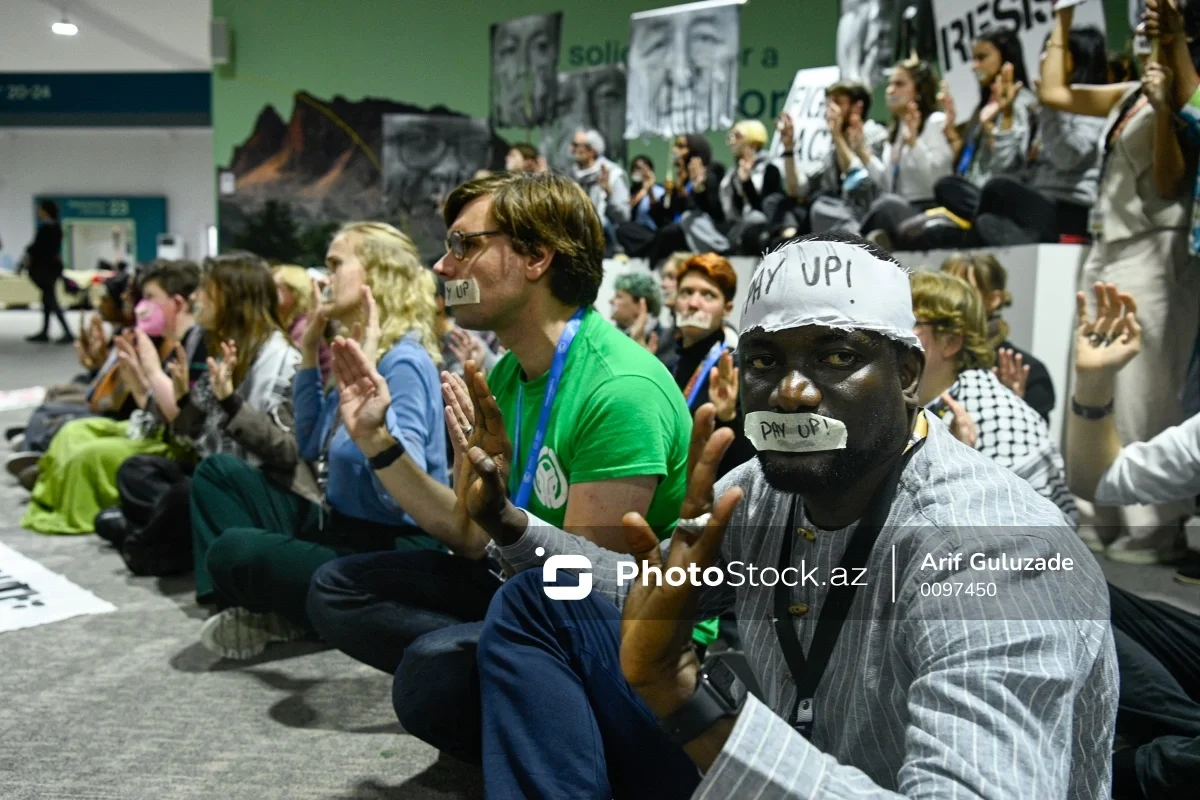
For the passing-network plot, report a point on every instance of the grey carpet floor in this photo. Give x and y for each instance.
(128, 705)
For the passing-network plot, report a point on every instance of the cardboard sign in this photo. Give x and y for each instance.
(806, 106)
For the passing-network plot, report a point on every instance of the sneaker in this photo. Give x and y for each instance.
(19, 462)
(17, 443)
(1149, 550)
(14, 432)
(239, 634)
(37, 337)
(1189, 574)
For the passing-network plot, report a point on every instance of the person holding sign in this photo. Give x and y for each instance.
(591, 420)
(870, 686)
(1140, 226)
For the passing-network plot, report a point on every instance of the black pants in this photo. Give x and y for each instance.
(1158, 653)
(50, 306)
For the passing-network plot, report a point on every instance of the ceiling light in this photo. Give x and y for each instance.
(65, 28)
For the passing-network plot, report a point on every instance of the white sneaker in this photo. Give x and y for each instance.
(1168, 548)
(239, 634)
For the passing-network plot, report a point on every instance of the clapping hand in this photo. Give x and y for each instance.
(834, 118)
(697, 173)
(368, 337)
(656, 654)
(855, 134)
(1111, 340)
(130, 368)
(648, 178)
(221, 372)
(745, 167)
(723, 388)
(482, 484)
(90, 346)
(177, 368)
(1011, 370)
(910, 123)
(637, 331)
(362, 393)
(466, 347)
(947, 102)
(604, 181)
(787, 131)
(962, 426)
(318, 319)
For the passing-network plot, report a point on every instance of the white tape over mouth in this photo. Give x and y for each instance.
(794, 433)
(462, 292)
(696, 319)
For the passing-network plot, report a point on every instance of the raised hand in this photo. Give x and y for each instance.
(221, 372)
(604, 181)
(1008, 89)
(1011, 370)
(745, 167)
(460, 416)
(651, 343)
(723, 388)
(648, 178)
(834, 118)
(705, 451)
(962, 426)
(637, 331)
(130, 368)
(1111, 340)
(482, 485)
(787, 131)
(910, 121)
(362, 393)
(947, 102)
(314, 334)
(855, 135)
(697, 172)
(179, 372)
(1157, 80)
(466, 347)
(656, 625)
(1162, 20)
(147, 354)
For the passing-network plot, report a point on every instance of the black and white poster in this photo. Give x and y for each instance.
(960, 22)
(589, 98)
(32, 595)
(866, 40)
(525, 70)
(683, 69)
(425, 156)
(805, 104)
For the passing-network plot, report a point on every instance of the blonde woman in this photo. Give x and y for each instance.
(295, 306)
(258, 544)
(752, 190)
(959, 386)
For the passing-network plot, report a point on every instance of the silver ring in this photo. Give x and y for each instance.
(468, 430)
(697, 524)
(1096, 339)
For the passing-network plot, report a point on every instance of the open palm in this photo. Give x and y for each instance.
(1114, 337)
(363, 394)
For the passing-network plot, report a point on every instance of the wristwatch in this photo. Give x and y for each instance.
(385, 458)
(725, 680)
(1091, 412)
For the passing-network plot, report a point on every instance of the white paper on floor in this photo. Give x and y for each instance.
(22, 398)
(32, 595)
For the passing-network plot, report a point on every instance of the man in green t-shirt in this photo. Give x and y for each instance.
(608, 425)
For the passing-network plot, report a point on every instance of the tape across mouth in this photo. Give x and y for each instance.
(696, 319)
(462, 292)
(794, 433)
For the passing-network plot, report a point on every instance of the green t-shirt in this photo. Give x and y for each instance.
(617, 414)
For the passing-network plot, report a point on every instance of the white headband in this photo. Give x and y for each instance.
(833, 284)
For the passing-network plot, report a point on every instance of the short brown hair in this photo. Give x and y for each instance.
(544, 210)
(527, 151)
(714, 267)
(952, 306)
(857, 92)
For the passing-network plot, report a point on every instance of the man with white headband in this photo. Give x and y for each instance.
(916, 620)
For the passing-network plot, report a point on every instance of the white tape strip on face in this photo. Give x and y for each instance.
(462, 292)
(794, 433)
(696, 319)
(832, 284)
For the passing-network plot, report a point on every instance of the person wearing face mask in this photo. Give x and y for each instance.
(76, 477)
(752, 191)
(705, 370)
(874, 688)
(1140, 227)
(256, 544)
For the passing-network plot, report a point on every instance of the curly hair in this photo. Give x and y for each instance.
(404, 289)
(641, 286)
(953, 307)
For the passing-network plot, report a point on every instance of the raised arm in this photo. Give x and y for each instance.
(1055, 90)
(1168, 161)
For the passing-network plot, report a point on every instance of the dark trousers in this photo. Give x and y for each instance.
(415, 615)
(50, 306)
(1158, 653)
(559, 720)
(257, 546)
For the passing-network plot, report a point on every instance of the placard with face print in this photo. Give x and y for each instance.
(683, 69)
(865, 40)
(589, 98)
(525, 70)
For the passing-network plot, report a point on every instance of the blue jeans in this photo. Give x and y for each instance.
(417, 616)
(559, 720)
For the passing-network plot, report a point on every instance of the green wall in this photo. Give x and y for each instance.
(428, 53)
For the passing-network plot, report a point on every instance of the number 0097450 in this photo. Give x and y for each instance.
(956, 588)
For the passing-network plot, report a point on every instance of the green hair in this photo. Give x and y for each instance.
(641, 286)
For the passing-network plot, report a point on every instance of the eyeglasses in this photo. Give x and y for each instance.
(456, 241)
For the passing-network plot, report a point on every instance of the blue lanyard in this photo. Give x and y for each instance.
(702, 377)
(539, 436)
(968, 155)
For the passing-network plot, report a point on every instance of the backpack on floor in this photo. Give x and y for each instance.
(155, 502)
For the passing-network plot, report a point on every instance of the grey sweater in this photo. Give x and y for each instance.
(1066, 161)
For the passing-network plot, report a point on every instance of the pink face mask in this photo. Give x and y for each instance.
(150, 318)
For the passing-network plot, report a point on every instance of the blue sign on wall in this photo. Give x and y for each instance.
(167, 99)
(149, 215)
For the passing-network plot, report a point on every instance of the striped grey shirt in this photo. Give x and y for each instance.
(1009, 691)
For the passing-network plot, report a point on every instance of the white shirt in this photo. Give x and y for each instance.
(1162, 470)
(921, 165)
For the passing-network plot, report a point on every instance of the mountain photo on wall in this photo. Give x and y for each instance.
(295, 182)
